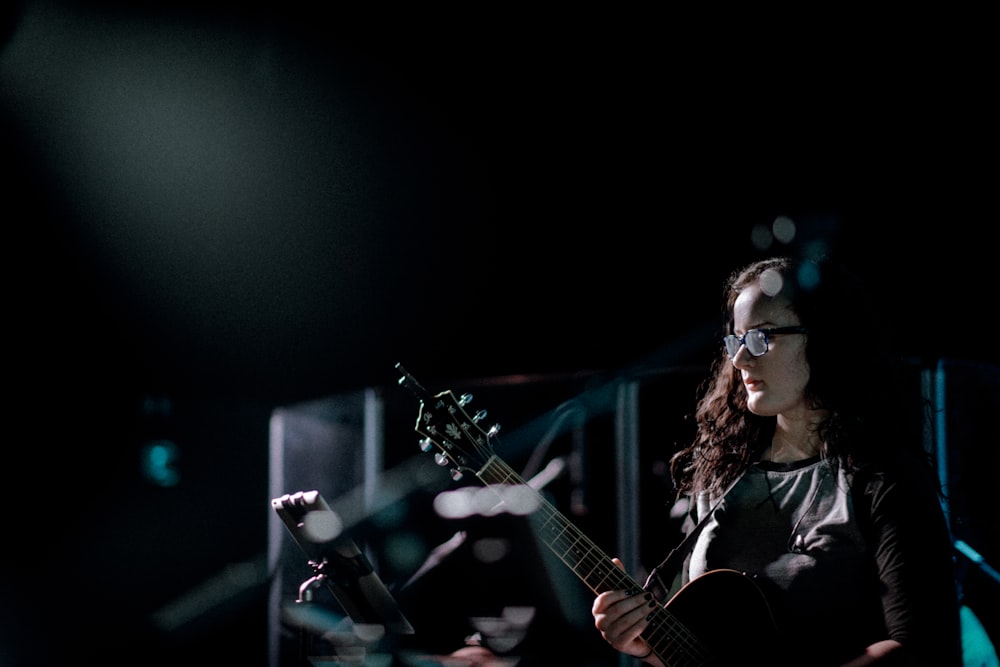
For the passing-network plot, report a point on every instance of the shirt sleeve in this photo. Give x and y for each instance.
(913, 551)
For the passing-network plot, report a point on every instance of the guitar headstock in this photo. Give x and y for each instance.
(444, 424)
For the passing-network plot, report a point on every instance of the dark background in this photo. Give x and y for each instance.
(214, 209)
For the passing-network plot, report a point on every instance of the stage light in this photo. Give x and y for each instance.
(159, 460)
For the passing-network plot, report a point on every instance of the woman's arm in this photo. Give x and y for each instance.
(912, 547)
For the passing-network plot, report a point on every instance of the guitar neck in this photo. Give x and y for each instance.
(594, 568)
(670, 640)
(444, 423)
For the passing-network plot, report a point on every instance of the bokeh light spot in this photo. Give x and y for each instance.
(486, 502)
(518, 499)
(453, 504)
(809, 276)
(321, 525)
(405, 551)
(519, 616)
(490, 549)
(369, 632)
(521, 499)
(771, 282)
(159, 460)
(783, 228)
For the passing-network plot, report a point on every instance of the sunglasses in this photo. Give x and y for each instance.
(756, 340)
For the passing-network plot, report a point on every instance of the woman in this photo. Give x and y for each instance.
(803, 477)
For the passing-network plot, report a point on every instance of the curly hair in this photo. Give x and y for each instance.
(853, 376)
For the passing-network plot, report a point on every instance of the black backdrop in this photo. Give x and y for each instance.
(214, 209)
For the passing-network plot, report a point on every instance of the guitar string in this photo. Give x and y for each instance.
(670, 629)
(659, 633)
(664, 632)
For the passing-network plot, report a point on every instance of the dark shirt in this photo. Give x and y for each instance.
(844, 559)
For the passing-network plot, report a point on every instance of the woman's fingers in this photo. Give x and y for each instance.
(620, 616)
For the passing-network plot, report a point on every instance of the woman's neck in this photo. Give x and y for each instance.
(794, 441)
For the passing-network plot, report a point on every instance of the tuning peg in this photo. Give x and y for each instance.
(441, 459)
(493, 430)
(456, 474)
(464, 399)
(479, 416)
(426, 444)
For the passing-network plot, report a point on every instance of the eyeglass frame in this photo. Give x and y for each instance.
(768, 332)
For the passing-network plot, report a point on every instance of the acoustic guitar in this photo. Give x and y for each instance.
(720, 618)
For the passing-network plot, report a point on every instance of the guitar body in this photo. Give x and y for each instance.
(727, 613)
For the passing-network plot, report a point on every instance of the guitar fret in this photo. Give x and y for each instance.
(671, 640)
(570, 547)
(568, 543)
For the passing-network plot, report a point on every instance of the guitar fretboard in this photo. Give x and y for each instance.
(671, 641)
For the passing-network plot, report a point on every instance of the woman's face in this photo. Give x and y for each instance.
(775, 382)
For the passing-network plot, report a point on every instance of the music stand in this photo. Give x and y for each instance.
(338, 563)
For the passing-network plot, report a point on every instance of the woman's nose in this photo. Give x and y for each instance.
(742, 358)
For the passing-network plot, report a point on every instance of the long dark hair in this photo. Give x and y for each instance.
(853, 375)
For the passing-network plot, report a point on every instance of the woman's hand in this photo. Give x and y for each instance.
(621, 616)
